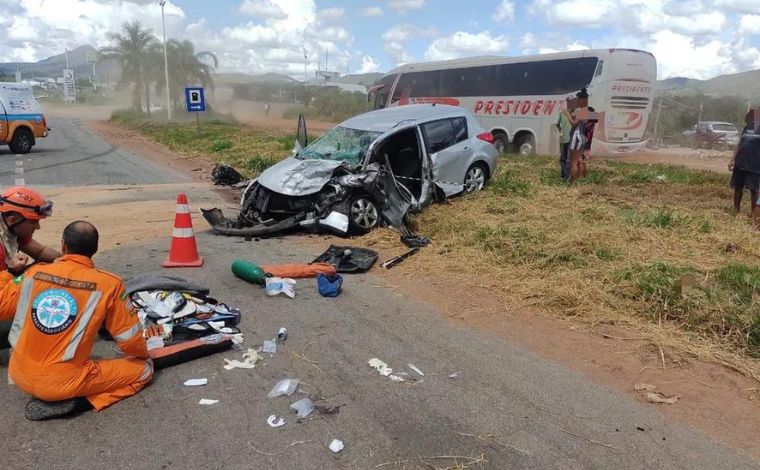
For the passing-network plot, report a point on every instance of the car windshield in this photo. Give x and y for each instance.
(340, 144)
(725, 127)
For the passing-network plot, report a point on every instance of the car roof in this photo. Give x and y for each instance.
(383, 120)
(717, 122)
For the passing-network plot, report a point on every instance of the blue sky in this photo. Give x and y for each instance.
(693, 38)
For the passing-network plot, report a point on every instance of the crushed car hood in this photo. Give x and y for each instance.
(294, 177)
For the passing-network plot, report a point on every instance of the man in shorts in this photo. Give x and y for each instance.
(745, 165)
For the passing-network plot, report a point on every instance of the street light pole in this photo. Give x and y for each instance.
(166, 64)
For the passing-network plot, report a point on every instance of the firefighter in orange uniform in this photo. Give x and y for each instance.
(57, 310)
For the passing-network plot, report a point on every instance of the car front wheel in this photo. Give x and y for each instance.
(363, 215)
(475, 178)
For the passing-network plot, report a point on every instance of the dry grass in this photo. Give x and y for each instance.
(609, 251)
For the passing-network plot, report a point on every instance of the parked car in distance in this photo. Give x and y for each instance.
(21, 118)
(712, 134)
(367, 171)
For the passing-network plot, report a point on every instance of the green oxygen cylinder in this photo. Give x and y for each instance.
(248, 271)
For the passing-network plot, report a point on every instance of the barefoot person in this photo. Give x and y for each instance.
(57, 310)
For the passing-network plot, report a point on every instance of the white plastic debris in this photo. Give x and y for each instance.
(195, 382)
(454, 375)
(275, 422)
(284, 387)
(270, 346)
(336, 445)
(383, 369)
(250, 358)
(280, 285)
(206, 401)
(155, 342)
(414, 368)
(303, 407)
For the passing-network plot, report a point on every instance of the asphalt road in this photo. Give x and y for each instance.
(71, 156)
(504, 405)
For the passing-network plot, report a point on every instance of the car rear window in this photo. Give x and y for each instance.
(725, 127)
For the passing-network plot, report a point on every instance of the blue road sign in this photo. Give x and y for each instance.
(195, 100)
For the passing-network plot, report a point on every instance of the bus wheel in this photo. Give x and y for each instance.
(526, 145)
(501, 142)
(22, 141)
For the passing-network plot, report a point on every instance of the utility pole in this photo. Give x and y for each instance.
(700, 111)
(305, 56)
(657, 122)
(67, 58)
(166, 65)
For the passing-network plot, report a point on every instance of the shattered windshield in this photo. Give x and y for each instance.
(340, 144)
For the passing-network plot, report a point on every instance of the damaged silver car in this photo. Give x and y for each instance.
(372, 169)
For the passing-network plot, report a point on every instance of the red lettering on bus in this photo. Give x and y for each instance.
(549, 107)
(525, 107)
(537, 107)
(478, 106)
(489, 107)
(506, 108)
(499, 104)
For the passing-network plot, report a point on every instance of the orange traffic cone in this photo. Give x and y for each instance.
(183, 251)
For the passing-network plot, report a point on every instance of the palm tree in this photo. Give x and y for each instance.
(187, 67)
(130, 49)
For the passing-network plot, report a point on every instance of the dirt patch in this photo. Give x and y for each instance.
(708, 160)
(252, 113)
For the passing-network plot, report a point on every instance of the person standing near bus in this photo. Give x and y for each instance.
(565, 124)
(745, 167)
(588, 133)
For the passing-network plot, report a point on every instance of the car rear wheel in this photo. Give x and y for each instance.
(526, 145)
(475, 178)
(363, 215)
(22, 141)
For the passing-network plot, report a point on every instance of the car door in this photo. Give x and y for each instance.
(449, 151)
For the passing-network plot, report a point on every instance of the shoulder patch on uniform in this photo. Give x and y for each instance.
(64, 282)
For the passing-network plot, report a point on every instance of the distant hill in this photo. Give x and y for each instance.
(744, 85)
(53, 66)
(242, 78)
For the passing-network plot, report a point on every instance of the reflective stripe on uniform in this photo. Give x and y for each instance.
(84, 320)
(182, 232)
(21, 310)
(147, 371)
(129, 334)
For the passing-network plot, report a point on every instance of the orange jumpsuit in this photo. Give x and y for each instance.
(57, 310)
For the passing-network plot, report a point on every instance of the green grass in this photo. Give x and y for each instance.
(249, 150)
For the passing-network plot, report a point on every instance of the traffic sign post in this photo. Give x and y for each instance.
(195, 102)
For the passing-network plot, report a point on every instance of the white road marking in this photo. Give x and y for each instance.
(19, 170)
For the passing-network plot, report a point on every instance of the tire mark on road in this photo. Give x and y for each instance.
(111, 149)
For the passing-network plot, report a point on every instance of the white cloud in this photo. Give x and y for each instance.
(331, 14)
(700, 24)
(504, 12)
(371, 12)
(403, 6)
(678, 55)
(463, 44)
(749, 24)
(261, 9)
(396, 37)
(740, 6)
(369, 64)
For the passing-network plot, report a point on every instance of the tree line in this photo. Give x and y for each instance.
(681, 112)
(140, 55)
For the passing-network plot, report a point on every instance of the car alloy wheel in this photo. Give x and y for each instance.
(474, 179)
(364, 213)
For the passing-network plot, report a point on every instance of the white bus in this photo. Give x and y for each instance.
(519, 98)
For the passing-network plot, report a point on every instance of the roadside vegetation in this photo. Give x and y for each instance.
(612, 250)
(221, 139)
(328, 104)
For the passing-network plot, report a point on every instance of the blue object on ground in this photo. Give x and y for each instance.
(329, 286)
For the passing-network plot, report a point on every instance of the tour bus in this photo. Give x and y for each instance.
(519, 99)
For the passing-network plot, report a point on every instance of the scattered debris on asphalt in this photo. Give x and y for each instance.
(336, 445)
(653, 396)
(414, 368)
(276, 286)
(206, 401)
(224, 175)
(397, 259)
(282, 334)
(384, 370)
(284, 387)
(248, 271)
(303, 407)
(299, 270)
(275, 421)
(250, 358)
(329, 286)
(454, 375)
(195, 382)
(270, 346)
(348, 259)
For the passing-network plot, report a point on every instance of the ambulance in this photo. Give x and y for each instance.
(21, 118)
